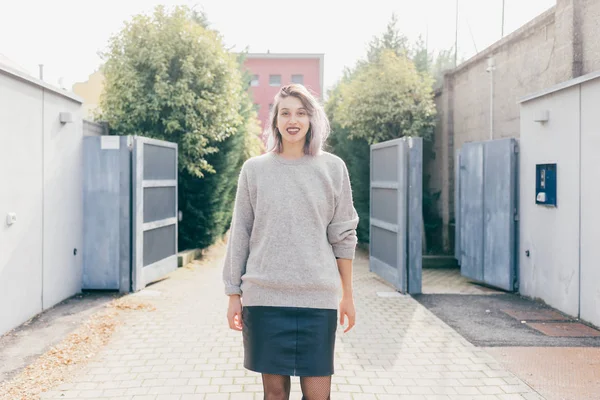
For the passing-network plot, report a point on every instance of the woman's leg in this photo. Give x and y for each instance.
(315, 387)
(276, 387)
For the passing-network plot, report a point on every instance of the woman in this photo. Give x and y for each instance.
(291, 246)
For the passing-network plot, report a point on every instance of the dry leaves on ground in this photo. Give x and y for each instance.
(59, 363)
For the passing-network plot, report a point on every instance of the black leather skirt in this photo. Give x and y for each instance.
(289, 340)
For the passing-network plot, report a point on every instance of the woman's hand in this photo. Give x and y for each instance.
(347, 310)
(234, 312)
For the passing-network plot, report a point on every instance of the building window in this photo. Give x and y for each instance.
(274, 80)
(298, 79)
(254, 81)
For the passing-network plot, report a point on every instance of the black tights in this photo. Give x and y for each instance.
(277, 387)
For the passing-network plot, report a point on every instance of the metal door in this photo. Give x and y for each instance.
(155, 215)
(395, 237)
(487, 212)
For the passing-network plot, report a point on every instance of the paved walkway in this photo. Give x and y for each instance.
(184, 350)
(450, 281)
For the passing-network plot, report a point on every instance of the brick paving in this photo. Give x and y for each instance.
(558, 373)
(184, 350)
(450, 281)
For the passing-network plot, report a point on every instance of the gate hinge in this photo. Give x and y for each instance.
(130, 142)
(516, 215)
(516, 147)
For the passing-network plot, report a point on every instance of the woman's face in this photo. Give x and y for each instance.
(292, 120)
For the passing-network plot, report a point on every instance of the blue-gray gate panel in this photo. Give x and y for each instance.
(155, 212)
(499, 209)
(471, 210)
(457, 217)
(386, 201)
(388, 240)
(125, 224)
(106, 213)
(385, 164)
(415, 214)
(384, 245)
(159, 244)
(159, 203)
(396, 224)
(160, 163)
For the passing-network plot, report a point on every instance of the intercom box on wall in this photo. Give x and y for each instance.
(545, 184)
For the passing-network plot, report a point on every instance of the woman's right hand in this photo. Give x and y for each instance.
(234, 312)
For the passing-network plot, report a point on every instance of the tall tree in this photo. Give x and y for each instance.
(169, 77)
(387, 99)
(391, 39)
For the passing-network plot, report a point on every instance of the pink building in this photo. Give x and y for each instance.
(270, 71)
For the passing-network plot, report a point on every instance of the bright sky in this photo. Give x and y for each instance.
(66, 35)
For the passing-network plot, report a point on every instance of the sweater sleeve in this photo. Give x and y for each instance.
(341, 231)
(238, 245)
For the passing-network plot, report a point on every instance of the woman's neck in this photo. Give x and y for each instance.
(293, 150)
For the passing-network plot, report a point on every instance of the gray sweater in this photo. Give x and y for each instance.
(291, 219)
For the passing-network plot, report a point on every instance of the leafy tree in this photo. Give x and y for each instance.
(391, 39)
(209, 200)
(387, 99)
(168, 76)
(390, 95)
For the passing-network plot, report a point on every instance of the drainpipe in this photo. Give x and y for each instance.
(490, 68)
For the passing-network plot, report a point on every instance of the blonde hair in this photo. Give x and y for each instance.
(319, 124)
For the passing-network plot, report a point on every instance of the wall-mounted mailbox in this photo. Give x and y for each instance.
(545, 184)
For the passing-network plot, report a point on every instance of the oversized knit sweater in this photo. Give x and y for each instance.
(291, 220)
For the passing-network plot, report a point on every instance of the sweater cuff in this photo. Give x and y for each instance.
(231, 290)
(344, 252)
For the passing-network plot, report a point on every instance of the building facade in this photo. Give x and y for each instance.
(90, 91)
(479, 98)
(270, 71)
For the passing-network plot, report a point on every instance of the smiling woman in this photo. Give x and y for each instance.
(290, 251)
(299, 120)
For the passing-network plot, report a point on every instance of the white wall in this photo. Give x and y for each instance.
(21, 193)
(41, 181)
(551, 273)
(63, 200)
(590, 202)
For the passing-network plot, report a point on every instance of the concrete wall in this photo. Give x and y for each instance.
(551, 235)
(435, 164)
(590, 194)
(40, 174)
(590, 32)
(63, 200)
(558, 45)
(21, 178)
(94, 129)
(524, 62)
(562, 268)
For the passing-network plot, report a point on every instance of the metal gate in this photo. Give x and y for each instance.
(130, 212)
(395, 231)
(155, 216)
(486, 212)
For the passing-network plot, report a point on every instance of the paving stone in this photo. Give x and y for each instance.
(184, 350)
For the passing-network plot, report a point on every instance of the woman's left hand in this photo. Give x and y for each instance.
(347, 310)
